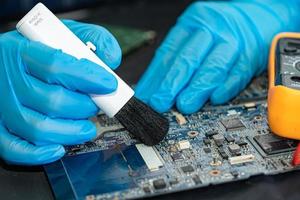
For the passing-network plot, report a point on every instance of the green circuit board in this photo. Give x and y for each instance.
(130, 39)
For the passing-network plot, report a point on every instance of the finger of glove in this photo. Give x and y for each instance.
(187, 61)
(107, 47)
(15, 150)
(161, 63)
(55, 67)
(211, 74)
(53, 100)
(237, 80)
(42, 130)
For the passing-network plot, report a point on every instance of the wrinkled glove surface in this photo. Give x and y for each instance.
(213, 52)
(44, 94)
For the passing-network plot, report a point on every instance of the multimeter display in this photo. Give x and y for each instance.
(288, 63)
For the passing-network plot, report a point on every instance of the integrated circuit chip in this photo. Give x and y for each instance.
(159, 184)
(229, 138)
(272, 144)
(234, 149)
(219, 139)
(187, 169)
(197, 179)
(241, 142)
(211, 133)
(233, 124)
(177, 156)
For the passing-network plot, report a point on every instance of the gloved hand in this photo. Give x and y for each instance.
(213, 52)
(44, 94)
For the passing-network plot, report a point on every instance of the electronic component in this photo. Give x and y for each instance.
(272, 144)
(219, 139)
(206, 149)
(187, 169)
(150, 157)
(159, 184)
(211, 133)
(234, 149)
(206, 141)
(235, 173)
(241, 159)
(183, 144)
(173, 148)
(177, 156)
(229, 138)
(215, 161)
(197, 179)
(233, 124)
(222, 153)
(241, 142)
(146, 189)
(173, 181)
(250, 105)
(179, 118)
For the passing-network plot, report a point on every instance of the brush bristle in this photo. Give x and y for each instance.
(144, 123)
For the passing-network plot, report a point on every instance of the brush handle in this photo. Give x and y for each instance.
(41, 25)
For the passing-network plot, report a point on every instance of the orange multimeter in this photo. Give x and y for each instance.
(284, 86)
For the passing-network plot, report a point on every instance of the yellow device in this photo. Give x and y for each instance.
(284, 86)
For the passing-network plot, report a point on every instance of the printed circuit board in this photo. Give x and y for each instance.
(219, 144)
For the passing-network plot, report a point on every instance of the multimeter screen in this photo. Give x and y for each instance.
(288, 63)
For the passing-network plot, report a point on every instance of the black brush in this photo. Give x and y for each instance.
(143, 122)
(40, 24)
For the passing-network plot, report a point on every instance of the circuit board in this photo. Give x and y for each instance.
(130, 39)
(219, 144)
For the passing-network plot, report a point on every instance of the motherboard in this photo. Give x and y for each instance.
(219, 144)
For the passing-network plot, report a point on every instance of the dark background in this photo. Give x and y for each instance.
(31, 182)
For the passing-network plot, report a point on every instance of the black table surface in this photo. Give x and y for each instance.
(31, 183)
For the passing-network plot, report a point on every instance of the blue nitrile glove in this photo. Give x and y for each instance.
(44, 94)
(213, 52)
